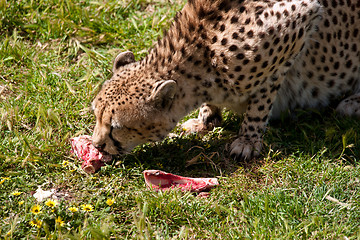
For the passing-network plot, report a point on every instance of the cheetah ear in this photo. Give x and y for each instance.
(122, 59)
(163, 94)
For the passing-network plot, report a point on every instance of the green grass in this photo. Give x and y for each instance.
(54, 55)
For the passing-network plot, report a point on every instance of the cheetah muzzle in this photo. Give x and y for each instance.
(257, 58)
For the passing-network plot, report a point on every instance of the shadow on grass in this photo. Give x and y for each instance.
(309, 133)
(315, 132)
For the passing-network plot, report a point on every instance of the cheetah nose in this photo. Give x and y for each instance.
(99, 147)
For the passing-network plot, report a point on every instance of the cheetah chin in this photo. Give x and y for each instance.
(257, 58)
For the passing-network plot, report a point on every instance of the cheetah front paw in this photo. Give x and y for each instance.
(350, 106)
(209, 117)
(194, 126)
(245, 149)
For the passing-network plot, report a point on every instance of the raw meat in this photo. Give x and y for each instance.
(159, 180)
(92, 158)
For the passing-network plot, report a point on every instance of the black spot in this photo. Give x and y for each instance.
(237, 68)
(281, 60)
(233, 48)
(262, 35)
(286, 38)
(266, 45)
(331, 83)
(222, 27)
(214, 39)
(350, 81)
(235, 35)
(240, 56)
(310, 74)
(348, 64)
(259, 22)
(276, 41)
(234, 19)
(326, 23)
(197, 77)
(315, 92)
(271, 30)
(241, 77)
(265, 64)
(301, 33)
(257, 58)
(197, 62)
(246, 46)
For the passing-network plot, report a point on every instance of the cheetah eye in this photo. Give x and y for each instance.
(127, 128)
(120, 127)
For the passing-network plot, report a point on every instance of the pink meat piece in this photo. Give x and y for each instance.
(92, 158)
(159, 180)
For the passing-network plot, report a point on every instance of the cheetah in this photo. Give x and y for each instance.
(257, 58)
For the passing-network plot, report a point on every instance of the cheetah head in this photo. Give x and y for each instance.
(132, 108)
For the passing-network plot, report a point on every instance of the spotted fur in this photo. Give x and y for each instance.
(254, 57)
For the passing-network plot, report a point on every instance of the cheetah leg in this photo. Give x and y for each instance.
(249, 143)
(350, 106)
(208, 118)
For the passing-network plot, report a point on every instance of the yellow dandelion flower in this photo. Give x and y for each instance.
(110, 201)
(36, 223)
(36, 209)
(73, 209)
(21, 203)
(59, 221)
(87, 207)
(51, 203)
(65, 163)
(4, 179)
(16, 193)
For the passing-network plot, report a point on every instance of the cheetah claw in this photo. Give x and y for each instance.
(245, 149)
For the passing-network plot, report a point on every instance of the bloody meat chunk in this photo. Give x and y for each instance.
(92, 158)
(159, 180)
